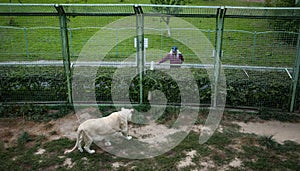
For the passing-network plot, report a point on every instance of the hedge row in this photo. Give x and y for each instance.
(257, 89)
(32, 84)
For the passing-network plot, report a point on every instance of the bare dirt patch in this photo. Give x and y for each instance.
(12, 128)
(281, 131)
(235, 163)
(40, 151)
(153, 133)
(68, 163)
(188, 160)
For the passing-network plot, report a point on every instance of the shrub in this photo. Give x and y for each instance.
(46, 84)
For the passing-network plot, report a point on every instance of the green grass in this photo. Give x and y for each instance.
(45, 43)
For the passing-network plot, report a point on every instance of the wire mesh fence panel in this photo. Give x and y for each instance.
(31, 38)
(180, 33)
(78, 37)
(93, 53)
(99, 49)
(260, 60)
(258, 48)
(32, 69)
(44, 43)
(82, 28)
(13, 44)
(276, 51)
(237, 48)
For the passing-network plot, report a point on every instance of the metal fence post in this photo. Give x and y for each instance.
(218, 54)
(26, 42)
(117, 42)
(254, 46)
(295, 74)
(70, 43)
(208, 53)
(140, 47)
(65, 48)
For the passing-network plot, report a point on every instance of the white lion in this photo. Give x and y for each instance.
(97, 129)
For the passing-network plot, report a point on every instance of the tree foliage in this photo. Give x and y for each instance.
(170, 2)
(168, 10)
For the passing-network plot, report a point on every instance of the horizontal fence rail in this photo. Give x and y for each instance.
(256, 48)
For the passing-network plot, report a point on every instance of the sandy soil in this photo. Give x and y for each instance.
(281, 131)
(188, 160)
(12, 129)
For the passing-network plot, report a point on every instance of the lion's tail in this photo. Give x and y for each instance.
(79, 136)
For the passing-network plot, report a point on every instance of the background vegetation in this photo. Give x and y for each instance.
(246, 42)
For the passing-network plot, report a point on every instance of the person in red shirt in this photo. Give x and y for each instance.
(175, 57)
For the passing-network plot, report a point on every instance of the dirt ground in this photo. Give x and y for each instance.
(281, 131)
(11, 129)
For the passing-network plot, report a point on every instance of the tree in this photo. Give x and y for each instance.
(169, 11)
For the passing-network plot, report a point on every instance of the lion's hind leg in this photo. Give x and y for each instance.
(88, 142)
(80, 138)
(78, 143)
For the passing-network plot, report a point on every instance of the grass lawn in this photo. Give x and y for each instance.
(38, 38)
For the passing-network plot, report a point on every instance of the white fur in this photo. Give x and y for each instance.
(97, 129)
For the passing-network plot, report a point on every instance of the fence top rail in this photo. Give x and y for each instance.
(262, 8)
(149, 9)
(263, 12)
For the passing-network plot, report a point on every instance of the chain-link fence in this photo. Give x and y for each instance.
(45, 46)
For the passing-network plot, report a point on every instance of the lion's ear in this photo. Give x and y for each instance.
(122, 108)
(132, 110)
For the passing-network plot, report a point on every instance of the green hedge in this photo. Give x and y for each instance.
(260, 89)
(34, 84)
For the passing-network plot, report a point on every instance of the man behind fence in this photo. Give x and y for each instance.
(175, 57)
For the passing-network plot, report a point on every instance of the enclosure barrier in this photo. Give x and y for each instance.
(257, 47)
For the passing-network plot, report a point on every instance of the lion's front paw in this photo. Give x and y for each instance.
(129, 137)
(91, 151)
